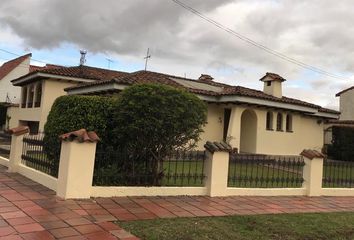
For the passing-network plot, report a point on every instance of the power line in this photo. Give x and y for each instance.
(18, 55)
(258, 45)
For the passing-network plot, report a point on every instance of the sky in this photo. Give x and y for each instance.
(316, 32)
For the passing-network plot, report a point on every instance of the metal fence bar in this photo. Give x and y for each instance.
(338, 174)
(34, 155)
(119, 168)
(262, 171)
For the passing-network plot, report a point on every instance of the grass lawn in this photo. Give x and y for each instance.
(329, 226)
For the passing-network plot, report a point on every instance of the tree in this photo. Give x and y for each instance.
(151, 120)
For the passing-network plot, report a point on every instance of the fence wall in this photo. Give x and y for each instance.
(213, 172)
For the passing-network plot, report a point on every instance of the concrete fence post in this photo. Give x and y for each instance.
(17, 135)
(217, 168)
(77, 160)
(313, 172)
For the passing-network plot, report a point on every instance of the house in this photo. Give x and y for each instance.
(346, 119)
(42, 86)
(10, 70)
(250, 120)
(10, 94)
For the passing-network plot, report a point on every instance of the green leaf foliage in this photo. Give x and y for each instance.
(3, 111)
(158, 118)
(71, 113)
(342, 147)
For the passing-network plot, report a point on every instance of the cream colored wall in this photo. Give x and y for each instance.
(347, 105)
(6, 86)
(213, 130)
(275, 89)
(307, 132)
(13, 112)
(51, 90)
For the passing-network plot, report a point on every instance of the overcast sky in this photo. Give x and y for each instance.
(317, 32)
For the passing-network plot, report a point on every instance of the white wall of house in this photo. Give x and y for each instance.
(6, 87)
(346, 105)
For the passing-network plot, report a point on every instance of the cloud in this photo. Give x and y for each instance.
(317, 32)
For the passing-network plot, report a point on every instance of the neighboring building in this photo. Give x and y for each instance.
(346, 104)
(11, 70)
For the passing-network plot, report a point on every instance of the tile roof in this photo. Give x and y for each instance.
(155, 77)
(273, 76)
(85, 72)
(7, 67)
(82, 72)
(38, 68)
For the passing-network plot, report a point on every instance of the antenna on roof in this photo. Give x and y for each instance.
(109, 61)
(83, 57)
(148, 56)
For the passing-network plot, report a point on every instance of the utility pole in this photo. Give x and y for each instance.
(148, 56)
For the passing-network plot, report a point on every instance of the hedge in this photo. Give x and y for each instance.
(3, 113)
(342, 147)
(70, 113)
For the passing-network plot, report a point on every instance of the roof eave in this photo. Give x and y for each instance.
(26, 79)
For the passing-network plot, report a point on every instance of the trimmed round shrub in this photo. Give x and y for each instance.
(71, 113)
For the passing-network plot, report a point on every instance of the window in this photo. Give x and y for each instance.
(269, 123)
(24, 97)
(38, 95)
(269, 83)
(30, 96)
(289, 123)
(279, 122)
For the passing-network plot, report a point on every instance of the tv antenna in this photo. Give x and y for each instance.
(109, 61)
(83, 57)
(148, 56)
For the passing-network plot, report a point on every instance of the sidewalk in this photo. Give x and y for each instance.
(30, 211)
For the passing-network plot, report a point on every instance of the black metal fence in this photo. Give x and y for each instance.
(338, 174)
(5, 145)
(34, 155)
(263, 171)
(119, 168)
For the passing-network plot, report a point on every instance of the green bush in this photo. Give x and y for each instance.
(151, 120)
(342, 147)
(71, 113)
(3, 112)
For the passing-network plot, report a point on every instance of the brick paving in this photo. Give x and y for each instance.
(28, 210)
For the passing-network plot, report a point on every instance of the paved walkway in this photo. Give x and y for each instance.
(30, 211)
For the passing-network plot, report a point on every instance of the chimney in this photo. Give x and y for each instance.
(273, 84)
(205, 77)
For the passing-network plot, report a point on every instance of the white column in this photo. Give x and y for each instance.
(16, 147)
(313, 172)
(77, 160)
(216, 170)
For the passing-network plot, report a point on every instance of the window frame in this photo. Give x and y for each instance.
(269, 121)
(280, 127)
(289, 123)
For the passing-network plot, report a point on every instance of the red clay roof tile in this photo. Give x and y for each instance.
(7, 67)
